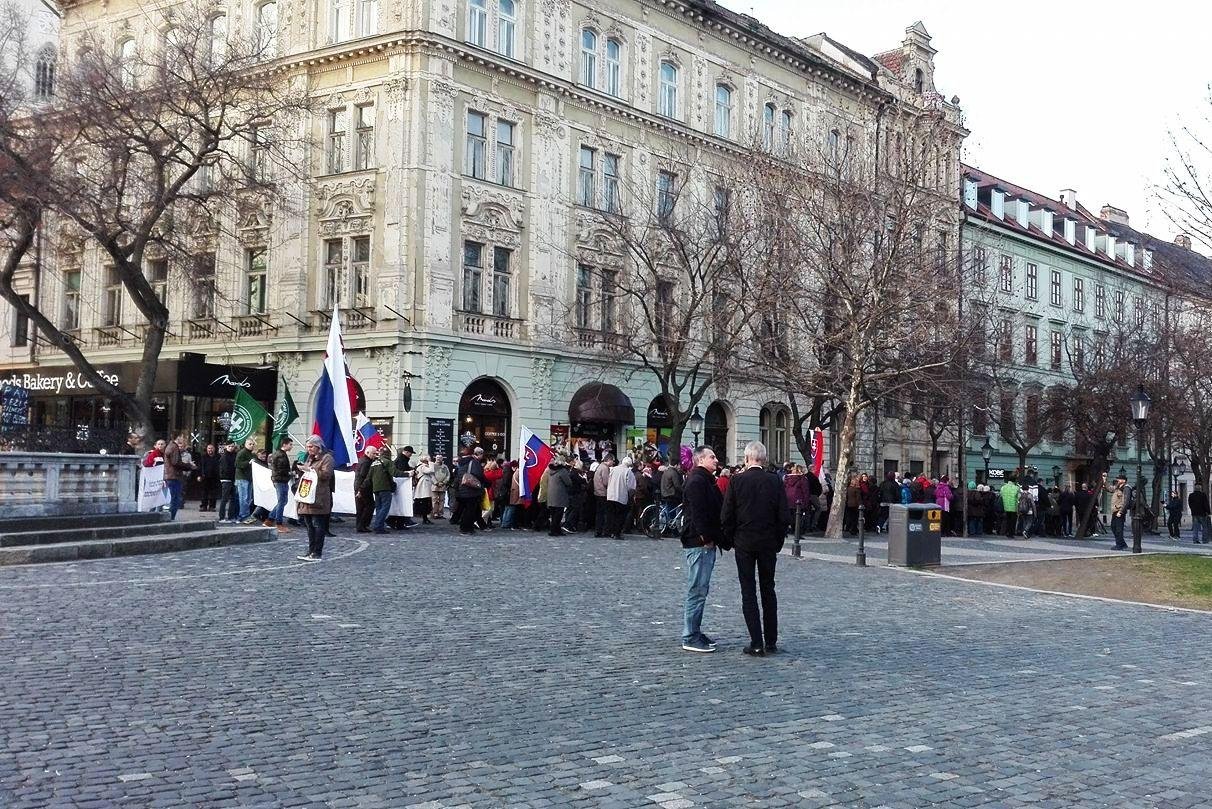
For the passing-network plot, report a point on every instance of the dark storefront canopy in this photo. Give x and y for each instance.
(601, 402)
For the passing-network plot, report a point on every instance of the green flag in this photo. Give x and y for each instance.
(285, 416)
(247, 417)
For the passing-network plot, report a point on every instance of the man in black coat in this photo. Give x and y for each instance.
(364, 498)
(755, 517)
(1197, 501)
(701, 534)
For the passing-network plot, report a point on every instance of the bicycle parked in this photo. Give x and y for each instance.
(650, 519)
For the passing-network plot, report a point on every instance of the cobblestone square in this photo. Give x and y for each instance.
(511, 669)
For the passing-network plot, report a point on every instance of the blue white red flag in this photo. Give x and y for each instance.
(536, 456)
(334, 400)
(368, 436)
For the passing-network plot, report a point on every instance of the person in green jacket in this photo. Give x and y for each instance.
(383, 486)
(244, 459)
(1009, 494)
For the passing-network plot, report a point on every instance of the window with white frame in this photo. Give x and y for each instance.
(1119, 306)
(1032, 281)
(609, 297)
(833, 146)
(473, 276)
(44, 74)
(111, 305)
(1138, 310)
(583, 296)
(667, 195)
(768, 116)
(477, 22)
(586, 175)
(71, 300)
(507, 25)
(128, 67)
(493, 24)
(667, 98)
(334, 145)
(364, 137)
(157, 275)
(722, 203)
(589, 58)
(505, 153)
(502, 281)
(476, 151)
(367, 22)
(1079, 295)
(349, 19)
(1055, 350)
(723, 110)
(218, 39)
(614, 67)
(1054, 287)
(785, 124)
(1007, 273)
(611, 197)
(345, 280)
(203, 281)
(258, 154)
(1100, 301)
(267, 30)
(255, 278)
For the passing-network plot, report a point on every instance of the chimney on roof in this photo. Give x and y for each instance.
(1069, 198)
(1112, 214)
(1183, 241)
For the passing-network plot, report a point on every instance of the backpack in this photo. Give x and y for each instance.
(1129, 498)
(1025, 501)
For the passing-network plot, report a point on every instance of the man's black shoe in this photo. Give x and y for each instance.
(771, 649)
(754, 651)
(706, 639)
(1120, 547)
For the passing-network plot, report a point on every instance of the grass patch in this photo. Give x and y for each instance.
(1190, 574)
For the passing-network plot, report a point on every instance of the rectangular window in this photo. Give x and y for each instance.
(586, 194)
(608, 301)
(1119, 306)
(338, 20)
(258, 155)
(614, 67)
(610, 183)
(664, 308)
(668, 96)
(1054, 289)
(1005, 348)
(1007, 270)
(111, 311)
(1100, 301)
(505, 153)
(157, 276)
(1079, 295)
(21, 326)
(1079, 352)
(1032, 282)
(364, 146)
(723, 203)
(979, 338)
(1031, 348)
(1031, 425)
(477, 145)
(666, 195)
(1054, 352)
(204, 285)
(473, 275)
(477, 22)
(71, 300)
(507, 23)
(1138, 309)
(254, 281)
(368, 17)
(584, 296)
(980, 266)
(360, 270)
(337, 125)
(501, 281)
(336, 285)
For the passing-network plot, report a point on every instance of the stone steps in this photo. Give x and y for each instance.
(60, 523)
(55, 536)
(151, 541)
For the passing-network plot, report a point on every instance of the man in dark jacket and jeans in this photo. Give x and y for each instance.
(701, 502)
(280, 471)
(754, 520)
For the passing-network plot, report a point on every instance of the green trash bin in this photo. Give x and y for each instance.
(915, 534)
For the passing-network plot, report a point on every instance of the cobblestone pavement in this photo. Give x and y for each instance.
(511, 669)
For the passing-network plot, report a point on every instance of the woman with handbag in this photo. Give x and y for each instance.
(315, 496)
(469, 493)
(422, 489)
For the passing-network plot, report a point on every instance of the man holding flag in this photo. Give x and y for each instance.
(536, 457)
(334, 400)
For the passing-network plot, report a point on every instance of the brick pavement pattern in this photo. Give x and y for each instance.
(512, 669)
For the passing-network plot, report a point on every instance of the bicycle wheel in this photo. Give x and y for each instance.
(674, 528)
(648, 519)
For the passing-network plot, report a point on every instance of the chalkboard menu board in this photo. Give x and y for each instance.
(441, 438)
(14, 406)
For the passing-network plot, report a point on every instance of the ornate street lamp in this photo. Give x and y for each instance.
(987, 453)
(695, 423)
(1140, 414)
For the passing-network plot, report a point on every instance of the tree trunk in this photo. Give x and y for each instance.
(833, 530)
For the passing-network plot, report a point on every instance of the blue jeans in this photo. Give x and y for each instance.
(507, 516)
(244, 496)
(699, 564)
(976, 526)
(283, 491)
(382, 508)
(175, 498)
(1200, 529)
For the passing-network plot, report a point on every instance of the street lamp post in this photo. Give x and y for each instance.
(1056, 474)
(1140, 414)
(695, 423)
(986, 453)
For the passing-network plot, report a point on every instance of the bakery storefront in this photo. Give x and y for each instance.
(192, 396)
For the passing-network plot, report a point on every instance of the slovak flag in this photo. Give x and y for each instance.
(535, 457)
(368, 436)
(334, 400)
(818, 451)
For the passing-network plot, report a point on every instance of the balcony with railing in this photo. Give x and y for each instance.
(594, 340)
(504, 328)
(254, 325)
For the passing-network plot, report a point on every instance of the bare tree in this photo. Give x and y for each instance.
(145, 155)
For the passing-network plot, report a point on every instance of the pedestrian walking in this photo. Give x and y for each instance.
(208, 477)
(1027, 509)
(1197, 501)
(754, 520)
(467, 503)
(618, 495)
(1174, 514)
(559, 487)
(318, 475)
(228, 506)
(702, 501)
(1121, 504)
(176, 472)
(280, 470)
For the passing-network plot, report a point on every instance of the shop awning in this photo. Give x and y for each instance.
(599, 401)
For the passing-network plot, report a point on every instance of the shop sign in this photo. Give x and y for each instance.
(14, 405)
(72, 380)
(997, 474)
(441, 438)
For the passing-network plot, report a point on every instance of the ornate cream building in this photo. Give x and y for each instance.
(462, 146)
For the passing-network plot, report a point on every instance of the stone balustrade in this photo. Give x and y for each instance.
(37, 484)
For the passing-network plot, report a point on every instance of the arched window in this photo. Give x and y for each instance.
(768, 127)
(507, 23)
(477, 22)
(668, 97)
(44, 74)
(218, 39)
(835, 146)
(267, 30)
(614, 67)
(774, 424)
(723, 110)
(919, 80)
(128, 72)
(589, 58)
(785, 132)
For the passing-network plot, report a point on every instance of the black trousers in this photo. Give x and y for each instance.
(763, 627)
(1009, 522)
(317, 529)
(365, 505)
(1174, 522)
(618, 518)
(601, 516)
(555, 518)
(469, 515)
(229, 509)
(210, 492)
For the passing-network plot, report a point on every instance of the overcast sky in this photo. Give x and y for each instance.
(1078, 94)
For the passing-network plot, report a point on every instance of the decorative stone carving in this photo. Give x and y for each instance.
(346, 206)
(252, 224)
(549, 125)
(396, 90)
(390, 360)
(541, 369)
(289, 363)
(437, 367)
(492, 216)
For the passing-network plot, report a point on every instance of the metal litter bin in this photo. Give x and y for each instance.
(914, 534)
